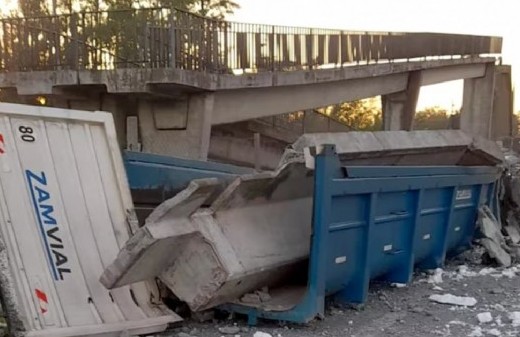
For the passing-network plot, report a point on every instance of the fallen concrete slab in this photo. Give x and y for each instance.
(409, 148)
(257, 232)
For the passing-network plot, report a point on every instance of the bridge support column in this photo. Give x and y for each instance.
(399, 107)
(180, 127)
(504, 125)
(119, 106)
(477, 103)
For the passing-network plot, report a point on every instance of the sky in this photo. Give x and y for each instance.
(478, 17)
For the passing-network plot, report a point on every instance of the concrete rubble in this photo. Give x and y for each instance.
(501, 237)
(453, 300)
(484, 317)
(256, 232)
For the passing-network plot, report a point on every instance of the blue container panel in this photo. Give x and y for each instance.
(436, 198)
(389, 248)
(431, 225)
(151, 171)
(347, 234)
(343, 262)
(462, 225)
(429, 234)
(347, 209)
(394, 204)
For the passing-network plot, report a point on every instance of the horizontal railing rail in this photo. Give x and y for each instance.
(171, 38)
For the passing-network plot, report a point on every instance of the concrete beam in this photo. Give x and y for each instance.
(138, 80)
(477, 104)
(452, 73)
(238, 147)
(239, 105)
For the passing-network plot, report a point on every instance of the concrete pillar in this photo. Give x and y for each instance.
(477, 103)
(503, 121)
(180, 127)
(119, 106)
(399, 107)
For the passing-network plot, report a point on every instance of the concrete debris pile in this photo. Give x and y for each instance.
(493, 240)
(501, 237)
(256, 232)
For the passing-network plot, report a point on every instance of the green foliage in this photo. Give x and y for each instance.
(361, 115)
(434, 118)
(366, 115)
(217, 9)
(209, 8)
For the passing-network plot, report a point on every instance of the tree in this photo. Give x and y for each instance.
(217, 9)
(366, 115)
(434, 118)
(361, 115)
(102, 34)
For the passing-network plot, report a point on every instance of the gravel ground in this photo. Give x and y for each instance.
(406, 311)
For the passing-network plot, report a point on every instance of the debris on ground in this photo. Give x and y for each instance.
(496, 252)
(229, 330)
(493, 240)
(436, 277)
(515, 318)
(454, 300)
(485, 317)
(494, 332)
(262, 334)
(257, 296)
(477, 332)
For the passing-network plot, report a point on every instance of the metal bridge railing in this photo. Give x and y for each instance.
(170, 38)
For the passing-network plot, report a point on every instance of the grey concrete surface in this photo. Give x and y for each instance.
(146, 80)
(504, 123)
(477, 104)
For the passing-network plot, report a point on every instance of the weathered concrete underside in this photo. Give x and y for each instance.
(258, 229)
(176, 109)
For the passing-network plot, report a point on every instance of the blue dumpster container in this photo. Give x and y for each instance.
(155, 178)
(378, 222)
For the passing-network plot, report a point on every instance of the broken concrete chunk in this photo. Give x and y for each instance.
(494, 332)
(436, 276)
(476, 332)
(264, 294)
(514, 250)
(453, 300)
(514, 316)
(489, 226)
(229, 330)
(512, 220)
(496, 252)
(514, 234)
(250, 298)
(262, 334)
(484, 317)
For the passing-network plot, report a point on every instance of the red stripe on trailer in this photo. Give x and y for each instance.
(42, 297)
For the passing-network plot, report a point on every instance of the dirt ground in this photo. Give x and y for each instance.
(404, 311)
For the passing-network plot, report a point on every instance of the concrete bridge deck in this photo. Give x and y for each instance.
(181, 74)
